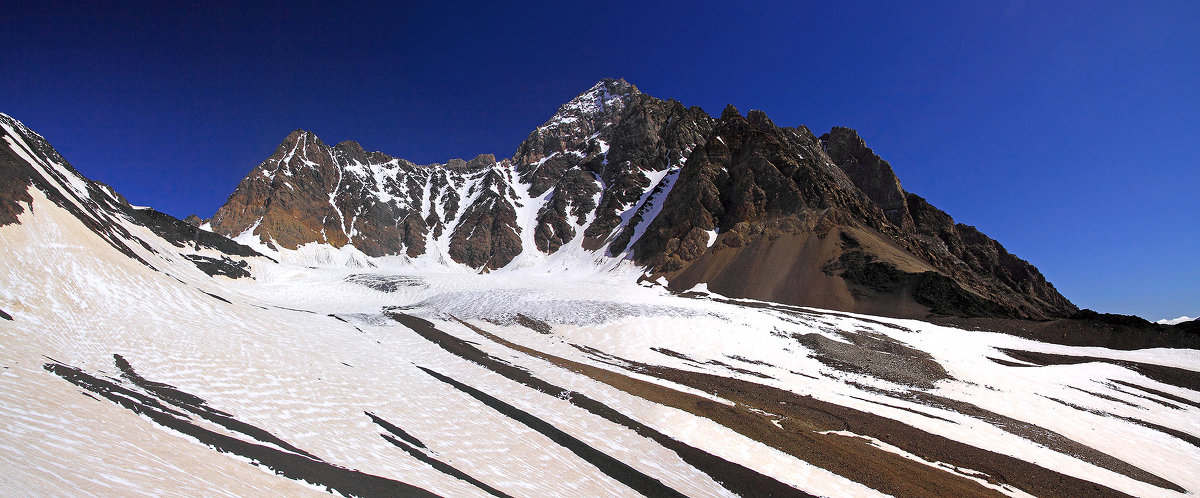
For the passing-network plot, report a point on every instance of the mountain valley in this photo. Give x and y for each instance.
(644, 299)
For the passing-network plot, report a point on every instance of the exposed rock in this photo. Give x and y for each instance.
(749, 208)
(982, 264)
(223, 266)
(754, 183)
(1111, 318)
(183, 234)
(385, 283)
(869, 172)
(748, 173)
(487, 235)
(585, 170)
(654, 181)
(28, 161)
(876, 355)
(308, 192)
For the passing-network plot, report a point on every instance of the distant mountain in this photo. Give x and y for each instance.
(737, 203)
(1176, 320)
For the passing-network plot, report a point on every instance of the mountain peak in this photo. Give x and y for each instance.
(300, 133)
(8, 119)
(297, 138)
(19, 127)
(760, 120)
(846, 136)
(633, 176)
(756, 229)
(350, 146)
(614, 86)
(869, 172)
(606, 96)
(579, 120)
(730, 112)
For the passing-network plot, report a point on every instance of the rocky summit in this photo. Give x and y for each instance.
(737, 203)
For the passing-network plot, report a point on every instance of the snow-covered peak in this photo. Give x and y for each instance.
(605, 94)
(604, 99)
(302, 135)
(1176, 321)
(10, 120)
(296, 145)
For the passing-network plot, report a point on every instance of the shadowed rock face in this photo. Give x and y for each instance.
(487, 236)
(869, 172)
(776, 194)
(654, 181)
(750, 172)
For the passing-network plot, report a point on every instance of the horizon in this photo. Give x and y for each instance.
(1068, 133)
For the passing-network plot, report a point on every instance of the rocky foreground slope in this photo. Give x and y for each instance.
(747, 207)
(141, 355)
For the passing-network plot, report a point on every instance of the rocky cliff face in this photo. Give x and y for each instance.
(309, 192)
(600, 155)
(954, 249)
(583, 176)
(749, 208)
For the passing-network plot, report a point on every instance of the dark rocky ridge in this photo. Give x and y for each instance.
(622, 134)
(775, 195)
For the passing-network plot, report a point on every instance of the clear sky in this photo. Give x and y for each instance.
(1068, 131)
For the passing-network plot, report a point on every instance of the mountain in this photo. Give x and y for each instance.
(142, 354)
(737, 203)
(30, 164)
(579, 177)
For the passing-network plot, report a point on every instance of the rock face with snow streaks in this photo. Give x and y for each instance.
(747, 207)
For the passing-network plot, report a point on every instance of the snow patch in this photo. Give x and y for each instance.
(1175, 321)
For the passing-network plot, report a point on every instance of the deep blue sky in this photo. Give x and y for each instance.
(1069, 131)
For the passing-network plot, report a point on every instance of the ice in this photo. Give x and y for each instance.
(503, 304)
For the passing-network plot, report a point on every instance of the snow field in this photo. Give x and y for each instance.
(273, 358)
